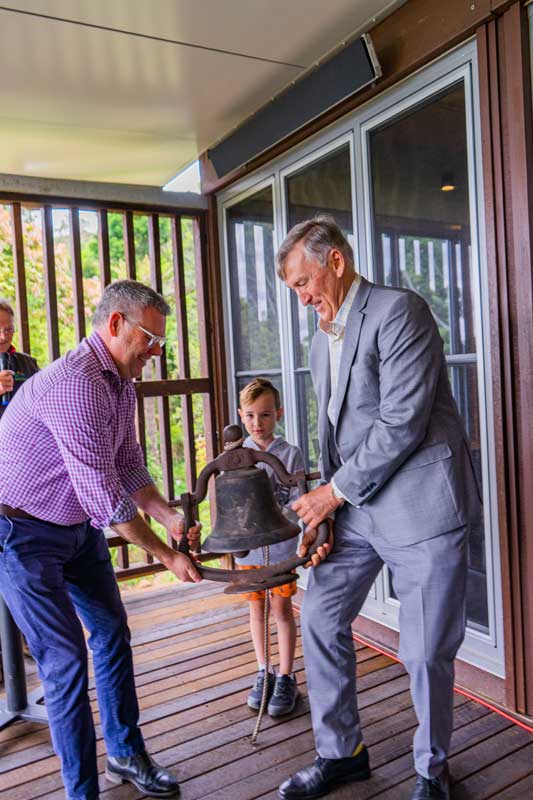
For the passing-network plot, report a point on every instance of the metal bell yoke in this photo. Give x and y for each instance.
(247, 515)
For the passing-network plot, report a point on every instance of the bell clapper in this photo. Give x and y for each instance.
(266, 642)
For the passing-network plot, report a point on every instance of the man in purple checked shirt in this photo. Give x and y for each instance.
(70, 466)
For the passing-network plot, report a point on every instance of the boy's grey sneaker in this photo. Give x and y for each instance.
(256, 695)
(284, 696)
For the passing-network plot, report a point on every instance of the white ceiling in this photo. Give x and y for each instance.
(131, 91)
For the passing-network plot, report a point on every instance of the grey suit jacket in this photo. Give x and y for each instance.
(397, 448)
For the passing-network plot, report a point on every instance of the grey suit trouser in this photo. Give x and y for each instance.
(429, 578)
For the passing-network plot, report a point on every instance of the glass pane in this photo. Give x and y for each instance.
(253, 283)
(421, 236)
(464, 384)
(421, 211)
(307, 410)
(323, 186)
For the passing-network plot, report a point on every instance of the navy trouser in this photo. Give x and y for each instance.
(49, 576)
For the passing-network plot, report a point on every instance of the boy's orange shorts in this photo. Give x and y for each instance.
(285, 590)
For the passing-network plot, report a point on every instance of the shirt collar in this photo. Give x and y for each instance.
(249, 442)
(335, 330)
(101, 351)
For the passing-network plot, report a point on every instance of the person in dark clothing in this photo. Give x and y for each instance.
(18, 366)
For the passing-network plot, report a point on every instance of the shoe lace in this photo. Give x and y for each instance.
(259, 680)
(283, 687)
(429, 784)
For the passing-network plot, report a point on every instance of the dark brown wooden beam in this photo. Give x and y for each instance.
(517, 132)
(95, 204)
(139, 571)
(216, 313)
(129, 245)
(20, 279)
(501, 349)
(103, 248)
(166, 388)
(205, 330)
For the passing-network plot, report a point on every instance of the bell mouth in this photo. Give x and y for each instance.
(217, 543)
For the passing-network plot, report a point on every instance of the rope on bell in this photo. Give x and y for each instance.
(233, 445)
(266, 645)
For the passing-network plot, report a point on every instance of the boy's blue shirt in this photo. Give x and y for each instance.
(291, 457)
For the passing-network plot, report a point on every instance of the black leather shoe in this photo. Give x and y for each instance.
(145, 774)
(432, 788)
(324, 774)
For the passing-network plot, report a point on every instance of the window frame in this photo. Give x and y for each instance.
(483, 650)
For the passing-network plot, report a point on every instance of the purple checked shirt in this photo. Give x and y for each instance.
(68, 450)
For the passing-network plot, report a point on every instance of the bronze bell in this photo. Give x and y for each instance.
(247, 513)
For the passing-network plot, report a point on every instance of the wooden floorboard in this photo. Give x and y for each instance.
(194, 665)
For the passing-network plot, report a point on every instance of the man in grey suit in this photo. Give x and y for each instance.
(398, 475)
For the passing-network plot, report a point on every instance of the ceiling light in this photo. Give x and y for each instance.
(447, 183)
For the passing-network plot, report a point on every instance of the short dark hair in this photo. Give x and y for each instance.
(319, 235)
(256, 388)
(126, 296)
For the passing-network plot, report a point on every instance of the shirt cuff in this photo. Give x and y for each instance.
(337, 492)
(133, 480)
(124, 512)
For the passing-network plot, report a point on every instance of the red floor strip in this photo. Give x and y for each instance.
(488, 705)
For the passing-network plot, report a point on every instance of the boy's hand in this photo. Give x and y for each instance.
(177, 528)
(315, 506)
(322, 553)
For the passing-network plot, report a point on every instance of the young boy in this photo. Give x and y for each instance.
(259, 410)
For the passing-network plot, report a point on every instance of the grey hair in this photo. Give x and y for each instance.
(319, 236)
(5, 306)
(127, 297)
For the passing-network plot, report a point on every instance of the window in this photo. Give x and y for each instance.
(399, 175)
(252, 282)
(421, 241)
(324, 186)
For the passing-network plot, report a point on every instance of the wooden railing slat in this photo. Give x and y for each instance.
(129, 245)
(50, 283)
(103, 248)
(204, 325)
(154, 249)
(183, 352)
(20, 279)
(77, 274)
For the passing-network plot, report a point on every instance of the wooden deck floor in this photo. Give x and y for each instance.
(194, 666)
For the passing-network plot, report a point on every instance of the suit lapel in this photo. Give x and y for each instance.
(351, 342)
